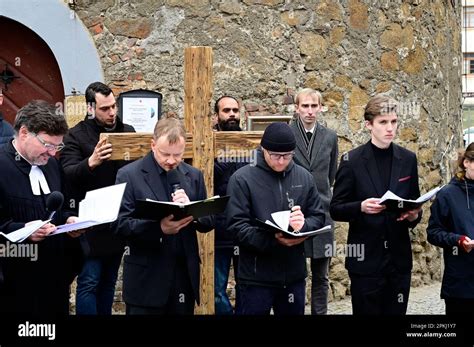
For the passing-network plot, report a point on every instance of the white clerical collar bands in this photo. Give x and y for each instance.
(37, 181)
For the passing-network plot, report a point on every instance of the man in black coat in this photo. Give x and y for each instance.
(316, 151)
(86, 165)
(37, 282)
(381, 275)
(272, 268)
(161, 271)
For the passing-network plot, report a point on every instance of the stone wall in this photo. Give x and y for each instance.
(265, 50)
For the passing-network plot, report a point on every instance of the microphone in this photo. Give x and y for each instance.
(54, 201)
(173, 180)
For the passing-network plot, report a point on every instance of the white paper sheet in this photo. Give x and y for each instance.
(98, 207)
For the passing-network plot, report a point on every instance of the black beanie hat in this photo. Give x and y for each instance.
(278, 137)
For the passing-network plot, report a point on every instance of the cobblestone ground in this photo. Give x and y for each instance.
(423, 300)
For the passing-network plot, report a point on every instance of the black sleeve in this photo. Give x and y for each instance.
(344, 207)
(239, 220)
(128, 226)
(439, 231)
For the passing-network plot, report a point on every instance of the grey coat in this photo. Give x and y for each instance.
(322, 164)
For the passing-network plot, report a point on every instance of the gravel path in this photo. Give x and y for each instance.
(423, 300)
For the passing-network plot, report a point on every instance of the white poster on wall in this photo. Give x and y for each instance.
(141, 113)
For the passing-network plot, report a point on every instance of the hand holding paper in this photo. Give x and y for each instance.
(22, 234)
(282, 220)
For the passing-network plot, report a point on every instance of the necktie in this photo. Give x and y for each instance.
(308, 135)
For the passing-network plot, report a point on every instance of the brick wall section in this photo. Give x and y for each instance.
(265, 50)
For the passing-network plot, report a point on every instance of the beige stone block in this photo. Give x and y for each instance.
(313, 45)
(315, 82)
(365, 84)
(425, 155)
(329, 10)
(333, 98)
(339, 290)
(336, 35)
(231, 7)
(343, 81)
(391, 37)
(295, 18)
(358, 12)
(396, 37)
(389, 61)
(357, 101)
(338, 272)
(414, 63)
(433, 179)
(383, 87)
(408, 134)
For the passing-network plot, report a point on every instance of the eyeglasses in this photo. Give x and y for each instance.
(49, 146)
(227, 110)
(277, 156)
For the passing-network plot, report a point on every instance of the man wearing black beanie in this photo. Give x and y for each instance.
(272, 268)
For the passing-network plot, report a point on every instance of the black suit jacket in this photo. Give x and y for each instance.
(150, 261)
(357, 179)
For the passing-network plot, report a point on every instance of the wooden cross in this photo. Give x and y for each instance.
(203, 145)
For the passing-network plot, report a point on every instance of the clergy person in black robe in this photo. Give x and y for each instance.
(38, 282)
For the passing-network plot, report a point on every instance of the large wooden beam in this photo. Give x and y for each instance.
(197, 118)
(132, 146)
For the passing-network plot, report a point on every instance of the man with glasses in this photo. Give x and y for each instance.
(272, 268)
(161, 269)
(87, 167)
(29, 174)
(316, 151)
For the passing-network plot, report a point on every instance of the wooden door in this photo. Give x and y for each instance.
(28, 59)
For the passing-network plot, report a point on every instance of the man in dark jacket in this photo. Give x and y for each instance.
(316, 151)
(85, 162)
(6, 130)
(35, 282)
(380, 277)
(161, 271)
(228, 119)
(272, 268)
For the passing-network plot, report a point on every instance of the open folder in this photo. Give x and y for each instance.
(282, 222)
(396, 203)
(157, 210)
(98, 207)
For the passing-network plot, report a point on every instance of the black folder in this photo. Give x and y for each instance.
(291, 234)
(398, 204)
(157, 210)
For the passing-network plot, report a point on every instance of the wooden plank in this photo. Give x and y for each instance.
(197, 118)
(132, 146)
